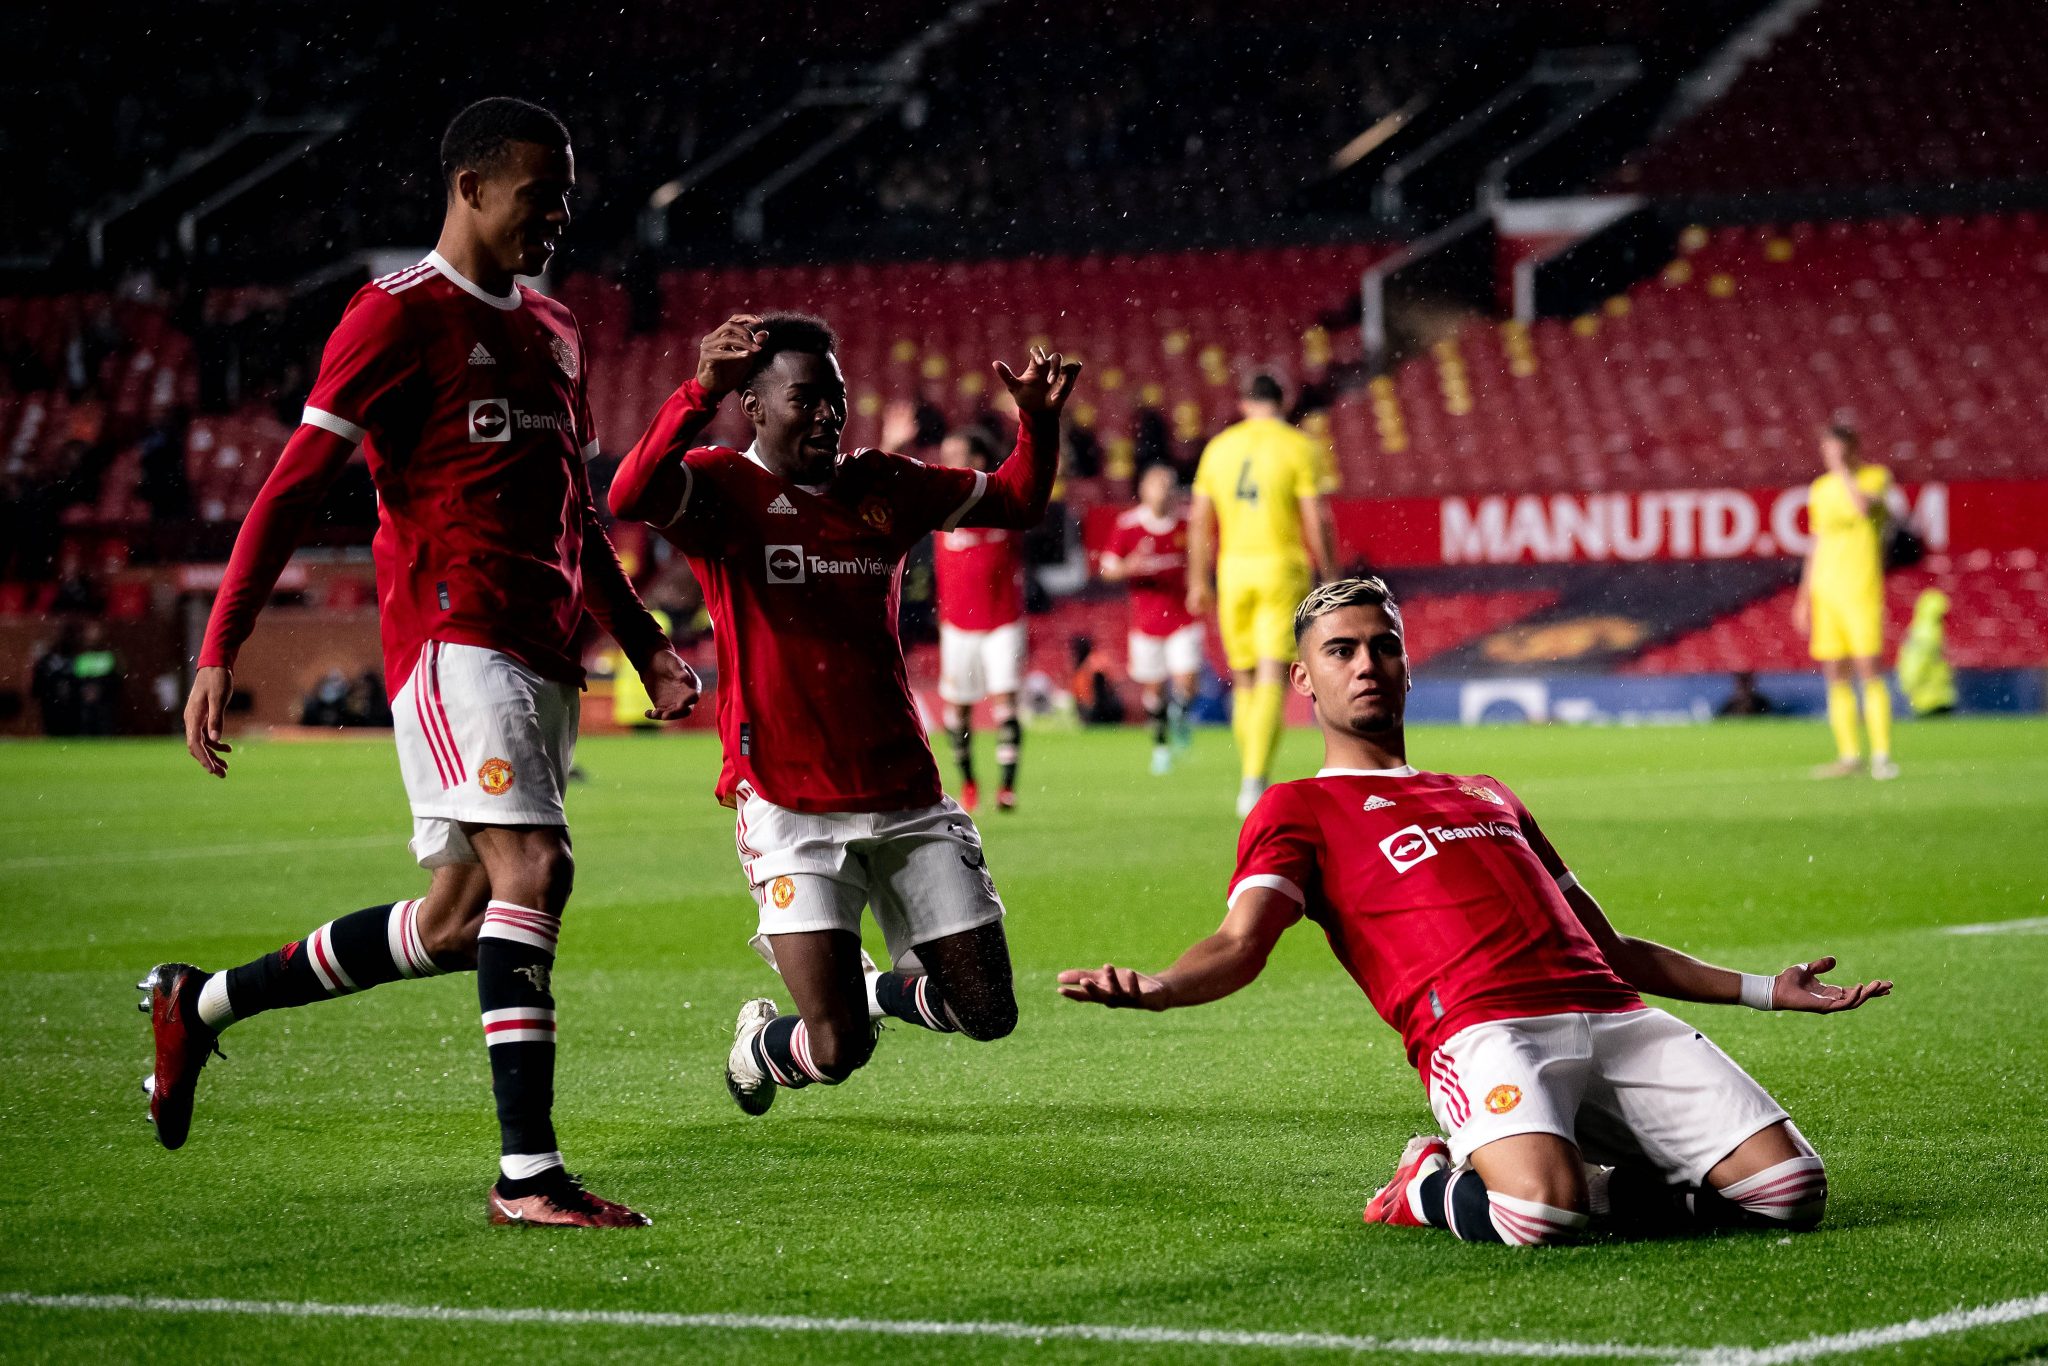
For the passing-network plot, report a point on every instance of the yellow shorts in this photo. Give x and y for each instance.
(1847, 626)
(1255, 611)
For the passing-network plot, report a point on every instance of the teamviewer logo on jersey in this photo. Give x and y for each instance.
(1406, 848)
(490, 419)
(785, 564)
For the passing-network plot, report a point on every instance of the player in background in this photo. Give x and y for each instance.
(1516, 999)
(799, 548)
(468, 393)
(1840, 603)
(1149, 552)
(1258, 533)
(979, 576)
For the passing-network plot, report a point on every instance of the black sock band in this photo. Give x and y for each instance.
(1456, 1200)
(515, 957)
(915, 1000)
(1159, 723)
(1009, 742)
(963, 749)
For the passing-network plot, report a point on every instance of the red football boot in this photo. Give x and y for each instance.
(1424, 1154)
(561, 1202)
(183, 1044)
(970, 797)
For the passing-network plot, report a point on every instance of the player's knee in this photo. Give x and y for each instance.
(986, 1018)
(1792, 1194)
(838, 1051)
(548, 868)
(450, 939)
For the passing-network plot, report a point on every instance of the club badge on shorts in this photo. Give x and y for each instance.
(782, 891)
(495, 777)
(1503, 1098)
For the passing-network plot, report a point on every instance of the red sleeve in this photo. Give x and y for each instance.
(1017, 495)
(1539, 843)
(276, 523)
(1121, 538)
(368, 364)
(654, 483)
(1280, 847)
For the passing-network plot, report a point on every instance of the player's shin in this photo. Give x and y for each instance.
(962, 737)
(1455, 1199)
(1842, 719)
(1009, 745)
(1877, 716)
(788, 1052)
(363, 949)
(515, 957)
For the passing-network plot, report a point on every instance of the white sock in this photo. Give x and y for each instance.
(520, 1166)
(215, 1011)
(1528, 1223)
(875, 1011)
(1794, 1193)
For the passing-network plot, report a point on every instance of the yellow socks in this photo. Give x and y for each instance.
(1842, 719)
(1877, 716)
(1264, 711)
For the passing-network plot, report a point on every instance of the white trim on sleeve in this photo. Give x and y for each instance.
(980, 487)
(328, 422)
(1567, 880)
(1274, 881)
(683, 505)
(590, 448)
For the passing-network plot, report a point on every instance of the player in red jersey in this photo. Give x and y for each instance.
(979, 574)
(1516, 998)
(799, 548)
(468, 392)
(1149, 551)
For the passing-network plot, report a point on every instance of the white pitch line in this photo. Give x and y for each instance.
(1131, 1335)
(2037, 924)
(197, 851)
(1869, 1339)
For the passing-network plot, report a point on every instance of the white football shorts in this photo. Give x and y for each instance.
(922, 871)
(1154, 659)
(1637, 1085)
(978, 664)
(482, 740)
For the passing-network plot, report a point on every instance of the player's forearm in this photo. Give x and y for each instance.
(276, 524)
(653, 482)
(611, 598)
(1201, 545)
(1212, 969)
(1315, 524)
(1661, 970)
(1019, 493)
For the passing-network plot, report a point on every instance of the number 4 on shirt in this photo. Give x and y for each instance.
(1247, 489)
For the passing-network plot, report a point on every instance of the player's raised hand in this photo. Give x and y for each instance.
(727, 351)
(205, 710)
(1799, 988)
(899, 425)
(672, 686)
(1043, 387)
(1115, 987)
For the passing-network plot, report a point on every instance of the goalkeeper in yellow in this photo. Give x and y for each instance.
(1258, 536)
(1840, 602)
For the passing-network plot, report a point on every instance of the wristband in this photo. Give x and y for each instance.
(1756, 991)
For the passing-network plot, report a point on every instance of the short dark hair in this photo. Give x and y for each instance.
(1846, 434)
(1264, 388)
(798, 332)
(478, 136)
(1367, 590)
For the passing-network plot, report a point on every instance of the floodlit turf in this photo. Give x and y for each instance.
(1201, 1169)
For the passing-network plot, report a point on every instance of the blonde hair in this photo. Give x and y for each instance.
(1369, 590)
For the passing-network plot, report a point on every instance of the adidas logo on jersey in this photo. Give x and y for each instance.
(1377, 803)
(479, 356)
(782, 505)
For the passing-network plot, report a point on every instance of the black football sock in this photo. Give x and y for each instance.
(1009, 742)
(515, 958)
(913, 999)
(1160, 722)
(783, 1049)
(1459, 1201)
(963, 750)
(363, 949)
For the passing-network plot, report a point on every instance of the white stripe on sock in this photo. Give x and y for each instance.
(520, 1166)
(216, 1011)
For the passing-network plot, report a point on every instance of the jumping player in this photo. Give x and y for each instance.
(1258, 535)
(470, 391)
(1149, 552)
(800, 551)
(980, 580)
(1517, 1000)
(1840, 602)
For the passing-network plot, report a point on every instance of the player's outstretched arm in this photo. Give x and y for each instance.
(1661, 970)
(276, 524)
(1201, 554)
(1019, 493)
(672, 686)
(1212, 968)
(653, 484)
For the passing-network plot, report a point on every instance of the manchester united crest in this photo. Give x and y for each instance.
(875, 513)
(495, 777)
(782, 891)
(1485, 794)
(565, 354)
(1503, 1098)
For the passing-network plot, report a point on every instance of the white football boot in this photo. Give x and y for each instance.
(751, 1086)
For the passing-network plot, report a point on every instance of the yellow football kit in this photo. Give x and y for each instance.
(1256, 473)
(1846, 586)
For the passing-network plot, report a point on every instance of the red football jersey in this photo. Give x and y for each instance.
(803, 584)
(472, 407)
(1439, 896)
(1154, 552)
(980, 577)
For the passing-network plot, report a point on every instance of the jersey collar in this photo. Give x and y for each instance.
(1153, 526)
(504, 302)
(1404, 771)
(753, 453)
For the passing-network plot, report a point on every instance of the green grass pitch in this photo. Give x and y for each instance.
(1197, 1170)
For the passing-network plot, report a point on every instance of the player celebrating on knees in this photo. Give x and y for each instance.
(470, 391)
(1149, 551)
(800, 551)
(1258, 530)
(980, 580)
(1516, 999)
